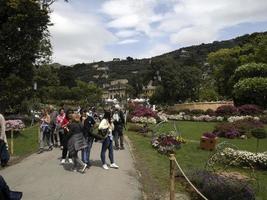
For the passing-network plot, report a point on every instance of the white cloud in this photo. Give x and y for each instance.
(78, 36)
(128, 41)
(127, 33)
(90, 30)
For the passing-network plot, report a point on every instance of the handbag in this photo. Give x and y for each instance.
(103, 132)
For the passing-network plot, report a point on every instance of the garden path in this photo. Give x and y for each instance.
(42, 177)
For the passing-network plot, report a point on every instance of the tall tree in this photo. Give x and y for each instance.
(23, 37)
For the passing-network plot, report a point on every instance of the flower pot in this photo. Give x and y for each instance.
(208, 143)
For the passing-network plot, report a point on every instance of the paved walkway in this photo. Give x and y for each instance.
(41, 177)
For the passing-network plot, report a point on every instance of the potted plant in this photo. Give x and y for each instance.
(208, 141)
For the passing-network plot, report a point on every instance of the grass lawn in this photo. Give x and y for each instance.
(26, 142)
(155, 167)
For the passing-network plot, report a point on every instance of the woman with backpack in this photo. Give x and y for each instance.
(105, 128)
(77, 141)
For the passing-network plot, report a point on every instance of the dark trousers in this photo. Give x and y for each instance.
(65, 139)
(76, 160)
(107, 145)
(86, 151)
(118, 138)
(5, 192)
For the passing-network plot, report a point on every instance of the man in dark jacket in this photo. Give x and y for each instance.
(5, 192)
(88, 127)
(119, 124)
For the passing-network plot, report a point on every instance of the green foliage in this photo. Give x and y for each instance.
(23, 38)
(208, 94)
(259, 133)
(251, 91)
(178, 83)
(224, 61)
(251, 70)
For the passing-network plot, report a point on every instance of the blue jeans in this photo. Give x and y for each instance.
(86, 151)
(107, 144)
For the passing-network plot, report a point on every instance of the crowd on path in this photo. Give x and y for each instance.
(76, 131)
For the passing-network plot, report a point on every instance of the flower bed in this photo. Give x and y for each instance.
(14, 124)
(237, 118)
(237, 128)
(244, 158)
(166, 144)
(148, 120)
(221, 186)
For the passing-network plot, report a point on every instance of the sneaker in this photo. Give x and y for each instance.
(105, 166)
(122, 148)
(84, 167)
(70, 161)
(50, 148)
(40, 151)
(61, 147)
(113, 165)
(63, 161)
(74, 170)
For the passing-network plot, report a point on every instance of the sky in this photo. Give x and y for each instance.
(86, 31)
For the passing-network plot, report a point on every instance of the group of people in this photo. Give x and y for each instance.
(76, 132)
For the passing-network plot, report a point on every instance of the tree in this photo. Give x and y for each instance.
(23, 37)
(179, 83)
(224, 62)
(251, 91)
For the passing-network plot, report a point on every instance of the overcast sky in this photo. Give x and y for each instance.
(94, 30)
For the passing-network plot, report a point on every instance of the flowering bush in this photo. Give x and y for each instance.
(182, 116)
(166, 143)
(220, 187)
(237, 128)
(244, 158)
(209, 135)
(149, 120)
(210, 112)
(237, 118)
(162, 117)
(250, 109)
(226, 110)
(142, 111)
(14, 124)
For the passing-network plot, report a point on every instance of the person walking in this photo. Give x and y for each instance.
(119, 124)
(88, 127)
(3, 129)
(76, 141)
(59, 129)
(65, 137)
(53, 122)
(106, 126)
(45, 132)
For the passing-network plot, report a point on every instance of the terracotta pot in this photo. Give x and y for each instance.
(208, 143)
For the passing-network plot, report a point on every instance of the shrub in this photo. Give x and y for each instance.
(226, 110)
(226, 130)
(250, 109)
(219, 187)
(209, 135)
(237, 128)
(186, 111)
(142, 111)
(197, 112)
(263, 119)
(245, 126)
(251, 91)
(210, 112)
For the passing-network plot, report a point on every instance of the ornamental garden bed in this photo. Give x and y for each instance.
(155, 166)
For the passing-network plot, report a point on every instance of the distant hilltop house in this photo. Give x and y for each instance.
(116, 89)
(102, 68)
(148, 90)
(95, 66)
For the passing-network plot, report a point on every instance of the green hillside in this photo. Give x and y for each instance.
(187, 56)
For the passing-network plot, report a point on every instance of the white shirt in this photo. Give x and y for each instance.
(104, 124)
